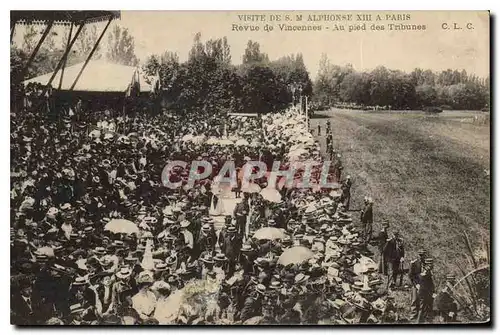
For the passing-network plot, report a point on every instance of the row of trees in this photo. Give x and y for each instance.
(399, 90)
(208, 79)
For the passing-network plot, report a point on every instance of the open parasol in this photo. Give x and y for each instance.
(198, 139)
(295, 255)
(242, 141)
(212, 140)
(269, 233)
(122, 226)
(271, 194)
(226, 142)
(187, 137)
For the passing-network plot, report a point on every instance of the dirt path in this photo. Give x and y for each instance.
(428, 176)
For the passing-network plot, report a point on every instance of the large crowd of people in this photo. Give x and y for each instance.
(96, 238)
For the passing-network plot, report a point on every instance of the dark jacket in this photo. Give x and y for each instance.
(394, 250)
(367, 214)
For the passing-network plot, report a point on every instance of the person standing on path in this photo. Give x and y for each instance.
(367, 220)
(426, 291)
(414, 273)
(382, 239)
(346, 192)
(394, 253)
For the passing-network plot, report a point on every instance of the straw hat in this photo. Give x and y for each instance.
(275, 285)
(220, 257)
(76, 308)
(79, 281)
(100, 251)
(124, 273)
(231, 229)
(145, 277)
(207, 259)
(160, 267)
(301, 278)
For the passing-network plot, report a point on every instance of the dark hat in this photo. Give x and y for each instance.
(261, 262)
(172, 278)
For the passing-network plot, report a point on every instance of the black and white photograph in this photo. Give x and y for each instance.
(220, 168)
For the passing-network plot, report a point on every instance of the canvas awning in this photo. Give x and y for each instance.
(99, 76)
(61, 17)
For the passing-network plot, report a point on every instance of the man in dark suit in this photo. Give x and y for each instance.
(394, 253)
(22, 307)
(414, 273)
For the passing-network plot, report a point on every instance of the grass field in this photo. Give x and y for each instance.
(428, 176)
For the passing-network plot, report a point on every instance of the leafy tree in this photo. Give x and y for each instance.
(253, 55)
(426, 95)
(121, 47)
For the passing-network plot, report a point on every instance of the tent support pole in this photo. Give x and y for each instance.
(12, 29)
(91, 54)
(66, 52)
(35, 51)
(66, 58)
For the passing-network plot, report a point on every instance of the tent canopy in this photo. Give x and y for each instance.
(61, 17)
(99, 76)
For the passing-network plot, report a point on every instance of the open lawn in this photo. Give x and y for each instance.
(428, 176)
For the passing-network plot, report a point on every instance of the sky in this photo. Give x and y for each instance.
(434, 48)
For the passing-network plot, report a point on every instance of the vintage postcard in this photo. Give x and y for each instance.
(250, 167)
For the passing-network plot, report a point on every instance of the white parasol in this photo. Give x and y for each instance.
(271, 194)
(242, 141)
(226, 142)
(295, 255)
(122, 226)
(269, 233)
(212, 140)
(187, 137)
